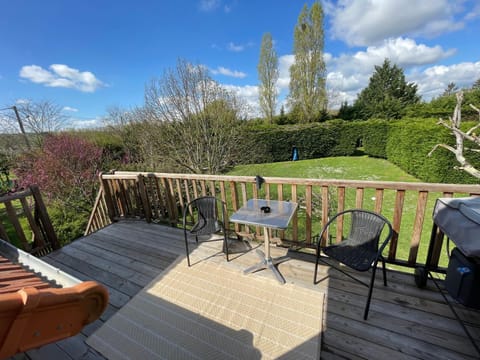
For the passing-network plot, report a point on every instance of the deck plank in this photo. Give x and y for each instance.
(404, 322)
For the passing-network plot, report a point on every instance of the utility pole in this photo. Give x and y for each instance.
(22, 129)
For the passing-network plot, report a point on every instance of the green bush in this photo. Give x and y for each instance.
(411, 140)
(263, 143)
(68, 223)
(443, 106)
(375, 135)
(346, 137)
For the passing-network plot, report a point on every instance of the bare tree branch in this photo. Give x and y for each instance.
(196, 119)
(460, 137)
(445, 146)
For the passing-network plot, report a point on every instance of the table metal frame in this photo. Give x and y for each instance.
(278, 218)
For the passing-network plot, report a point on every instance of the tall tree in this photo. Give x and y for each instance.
(451, 89)
(387, 94)
(268, 75)
(476, 85)
(307, 96)
(197, 119)
(39, 118)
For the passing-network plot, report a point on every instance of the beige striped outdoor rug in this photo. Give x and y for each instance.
(213, 311)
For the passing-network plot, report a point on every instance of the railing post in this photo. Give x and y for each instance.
(418, 226)
(234, 201)
(396, 224)
(308, 214)
(437, 249)
(94, 215)
(170, 200)
(108, 197)
(44, 217)
(147, 210)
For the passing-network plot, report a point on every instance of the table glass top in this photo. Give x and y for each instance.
(278, 218)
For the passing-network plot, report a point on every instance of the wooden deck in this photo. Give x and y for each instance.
(404, 322)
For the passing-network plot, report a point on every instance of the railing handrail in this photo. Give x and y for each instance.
(392, 185)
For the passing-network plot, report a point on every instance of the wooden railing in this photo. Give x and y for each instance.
(160, 197)
(30, 226)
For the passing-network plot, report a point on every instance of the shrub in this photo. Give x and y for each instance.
(68, 223)
(65, 168)
(375, 135)
(411, 140)
(272, 143)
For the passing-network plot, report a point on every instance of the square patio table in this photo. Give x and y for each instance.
(278, 217)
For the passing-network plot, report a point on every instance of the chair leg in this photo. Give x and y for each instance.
(225, 243)
(384, 273)
(186, 247)
(370, 291)
(316, 267)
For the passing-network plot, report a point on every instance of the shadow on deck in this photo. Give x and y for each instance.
(404, 322)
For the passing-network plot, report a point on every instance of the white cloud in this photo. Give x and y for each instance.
(474, 13)
(60, 75)
(403, 52)
(235, 48)
(249, 94)
(284, 63)
(434, 80)
(212, 5)
(68, 108)
(227, 72)
(209, 5)
(76, 123)
(348, 74)
(360, 22)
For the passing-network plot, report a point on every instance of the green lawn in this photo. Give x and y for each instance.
(344, 167)
(355, 168)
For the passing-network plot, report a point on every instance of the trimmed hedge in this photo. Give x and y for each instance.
(375, 136)
(348, 136)
(411, 140)
(273, 143)
(406, 143)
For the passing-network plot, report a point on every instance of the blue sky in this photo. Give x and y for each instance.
(89, 55)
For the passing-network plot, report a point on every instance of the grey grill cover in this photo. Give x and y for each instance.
(459, 219)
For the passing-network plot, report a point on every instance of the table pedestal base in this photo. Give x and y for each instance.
(268, 263)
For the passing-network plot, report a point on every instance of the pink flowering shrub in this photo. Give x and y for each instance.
(65, 169)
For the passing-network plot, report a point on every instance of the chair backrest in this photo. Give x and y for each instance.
(361, 227)
(205, 213)
(366, 228)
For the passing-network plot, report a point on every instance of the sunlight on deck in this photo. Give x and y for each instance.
(211, 310)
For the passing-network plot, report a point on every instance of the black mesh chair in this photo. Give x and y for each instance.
(205, 216)
(359, 246)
